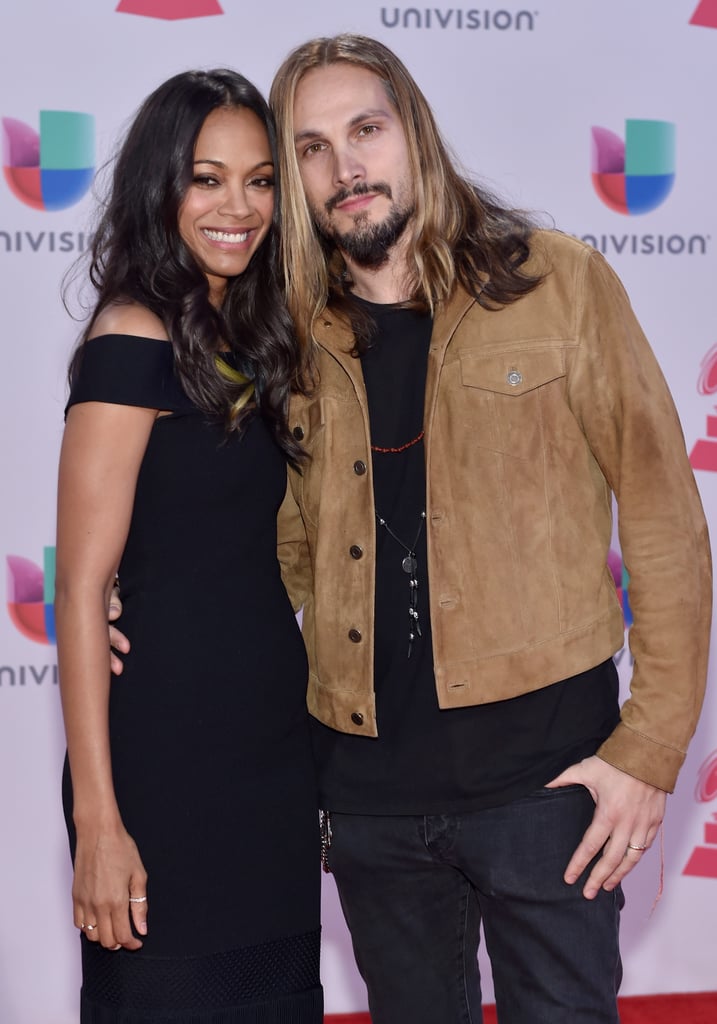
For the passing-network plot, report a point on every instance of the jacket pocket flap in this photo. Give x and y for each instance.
(307, 419)
(512, 373)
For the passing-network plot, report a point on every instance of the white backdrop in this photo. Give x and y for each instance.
(517, 92)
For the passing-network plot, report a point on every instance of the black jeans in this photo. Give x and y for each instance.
(414, 891)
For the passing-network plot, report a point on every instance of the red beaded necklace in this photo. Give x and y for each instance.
(394, 451)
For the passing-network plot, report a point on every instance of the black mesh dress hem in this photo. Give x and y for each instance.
(275, 982)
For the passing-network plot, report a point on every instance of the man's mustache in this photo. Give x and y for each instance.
(361, 189)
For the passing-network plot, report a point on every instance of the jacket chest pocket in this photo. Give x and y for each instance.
(504, 397)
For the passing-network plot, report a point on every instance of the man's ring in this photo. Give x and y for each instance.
(138, 899)
(637, 846)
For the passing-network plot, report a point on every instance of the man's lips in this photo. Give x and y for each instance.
(346, 200)
(353, 203)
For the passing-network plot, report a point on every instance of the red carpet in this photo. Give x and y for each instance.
(692, 1008)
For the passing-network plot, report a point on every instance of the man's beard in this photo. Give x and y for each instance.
(366, 244)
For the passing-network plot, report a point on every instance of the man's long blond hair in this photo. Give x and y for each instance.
(458, 231)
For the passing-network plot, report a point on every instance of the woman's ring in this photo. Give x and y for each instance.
(640, 847)
(138, 899)
(89, 927)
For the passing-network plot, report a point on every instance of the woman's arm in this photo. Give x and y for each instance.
(101, 453)
(102, 450)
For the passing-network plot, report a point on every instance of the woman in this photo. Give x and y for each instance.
(189, 789)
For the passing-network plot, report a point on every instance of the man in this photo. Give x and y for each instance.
(480, 390)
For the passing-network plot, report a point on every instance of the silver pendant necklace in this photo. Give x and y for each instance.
(409, 565)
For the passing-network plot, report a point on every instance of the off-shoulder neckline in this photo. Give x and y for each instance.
(135, 337)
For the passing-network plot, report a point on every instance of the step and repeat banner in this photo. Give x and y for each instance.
(598, 114)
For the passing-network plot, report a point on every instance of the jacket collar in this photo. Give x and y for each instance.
(334, 335)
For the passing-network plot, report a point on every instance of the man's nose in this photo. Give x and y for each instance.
(348, 169)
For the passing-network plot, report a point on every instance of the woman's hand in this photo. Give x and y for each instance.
(118, 641)
(109, 888)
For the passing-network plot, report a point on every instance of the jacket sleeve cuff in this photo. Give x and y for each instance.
(642, 757)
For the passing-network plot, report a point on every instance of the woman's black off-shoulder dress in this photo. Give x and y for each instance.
(209, 733)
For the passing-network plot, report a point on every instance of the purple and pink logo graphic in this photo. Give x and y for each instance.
(622, 582)
(30, 596)
(705, 14)
(52, 169)
(635, 175)
(170, 10)
(704, 452)
(703, 859)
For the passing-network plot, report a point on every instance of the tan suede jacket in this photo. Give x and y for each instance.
(534, 416)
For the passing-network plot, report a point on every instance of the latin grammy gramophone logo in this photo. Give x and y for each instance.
(705, 14)
(170, 10)
(703, 859)
(704, 452)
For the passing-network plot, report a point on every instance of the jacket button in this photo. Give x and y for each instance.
(355, 636)
(359, 467)
(514, 378)
(298, 433)
(357, 718)
(355, 551)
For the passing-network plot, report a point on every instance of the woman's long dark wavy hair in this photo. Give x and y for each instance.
(138, 255)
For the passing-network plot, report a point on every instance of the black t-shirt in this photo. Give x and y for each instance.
(427, 760)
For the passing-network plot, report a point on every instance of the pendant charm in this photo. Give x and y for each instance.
(409, 564)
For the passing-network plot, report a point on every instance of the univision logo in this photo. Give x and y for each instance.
(170, 10)
(456, 18)
(634, 175)
(622, 581)
(30, 596)
(53, 169)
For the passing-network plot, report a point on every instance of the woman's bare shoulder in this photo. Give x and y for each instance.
(128, 318)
